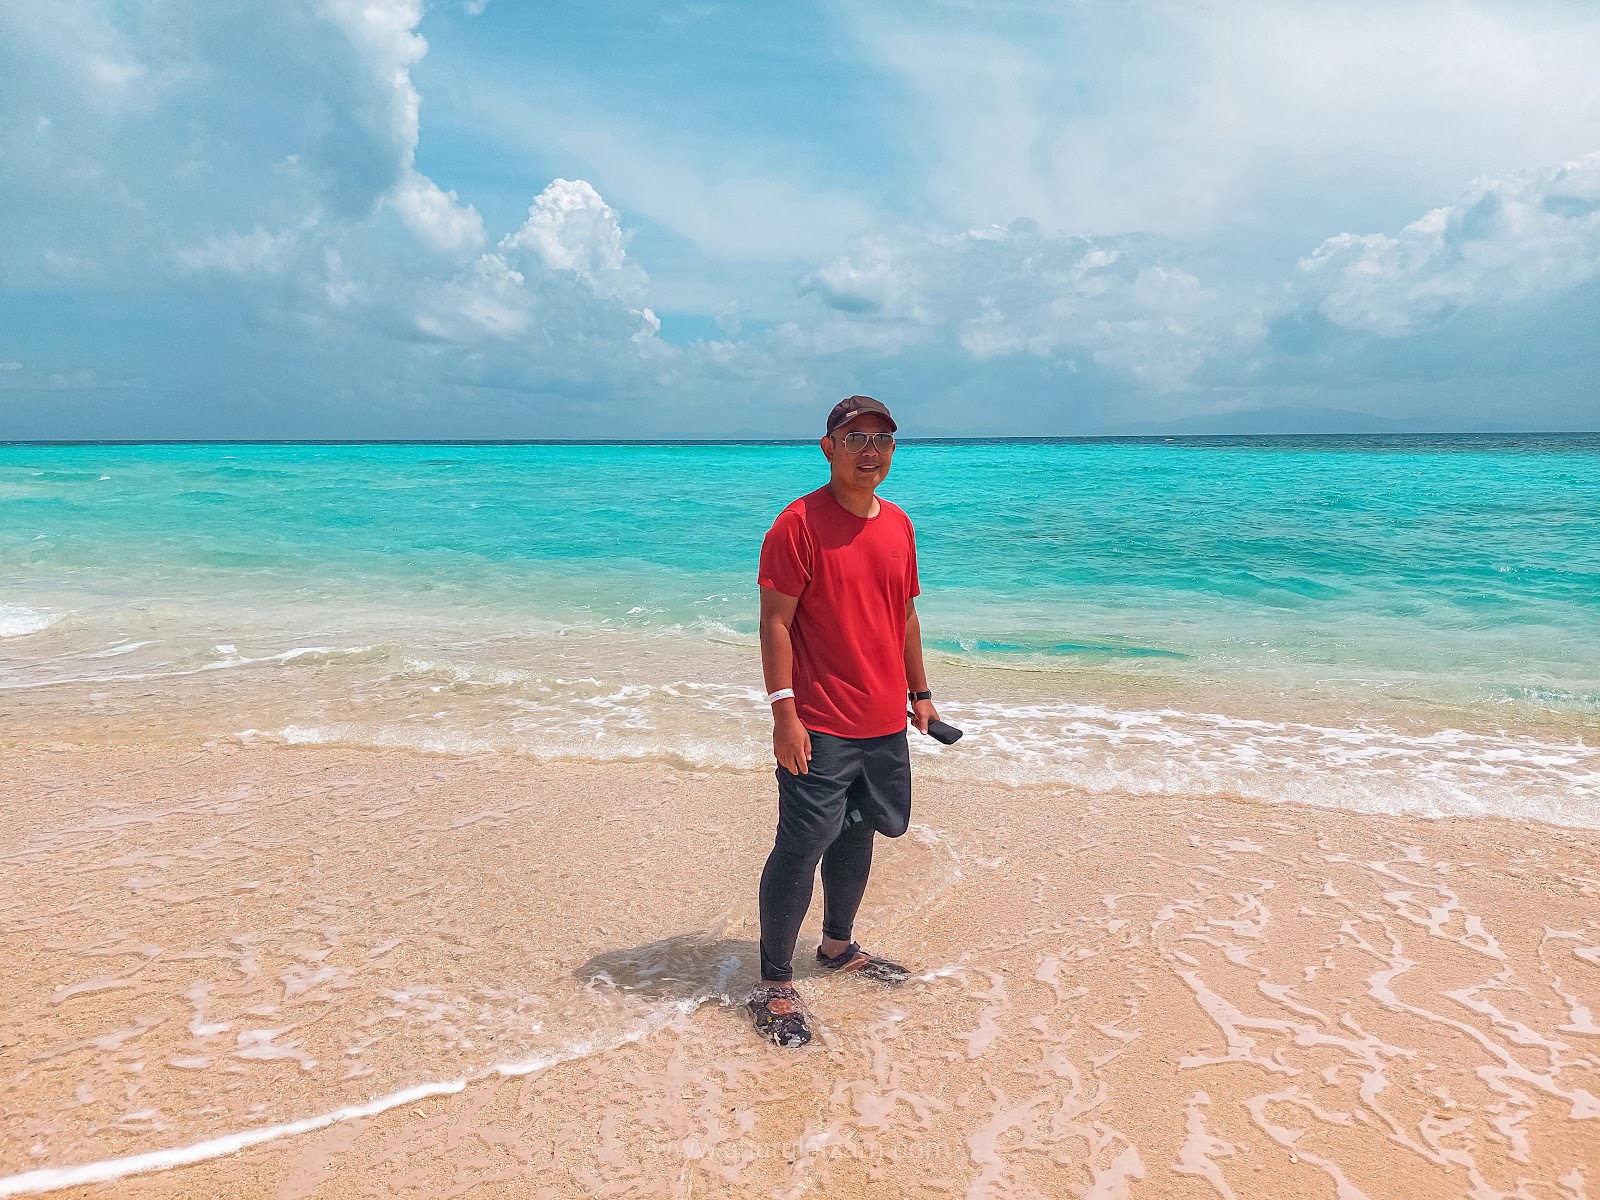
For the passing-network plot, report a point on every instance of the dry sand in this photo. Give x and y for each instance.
(1124, 996)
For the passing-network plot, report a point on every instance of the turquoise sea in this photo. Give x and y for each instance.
(1395, 623)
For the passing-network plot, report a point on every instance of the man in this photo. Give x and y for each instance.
(841, 650)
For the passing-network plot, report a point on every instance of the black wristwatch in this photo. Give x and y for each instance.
(915, 696)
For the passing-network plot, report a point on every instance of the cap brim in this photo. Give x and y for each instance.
(851, 416)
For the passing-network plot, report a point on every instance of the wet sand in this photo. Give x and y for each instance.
(324, 972)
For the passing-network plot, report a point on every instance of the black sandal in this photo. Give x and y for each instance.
(778, 1014)
(858, 962)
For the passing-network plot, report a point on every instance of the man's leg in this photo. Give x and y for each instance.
(785, 897)
(811, 813)
(879, 801)
(845, 867)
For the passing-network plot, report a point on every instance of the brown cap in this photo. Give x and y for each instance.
(854, 406)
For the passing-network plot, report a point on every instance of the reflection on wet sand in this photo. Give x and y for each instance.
(329, 972)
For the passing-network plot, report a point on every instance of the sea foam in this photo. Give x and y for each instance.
(1087, 748)
(18, 621)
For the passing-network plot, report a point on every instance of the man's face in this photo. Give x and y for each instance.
(866, 468)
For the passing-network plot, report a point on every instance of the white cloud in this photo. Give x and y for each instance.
(116, 74)
(557, 289)
(1182, 118)
(436, 217)
(570, 228)
(294, 139)
(491, 298)
(876, 277)
(260, 250)
(137, 125)
(1015, 291)
(1525, 237)
(386, 29)
(132, 133)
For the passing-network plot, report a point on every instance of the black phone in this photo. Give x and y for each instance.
(941, 731)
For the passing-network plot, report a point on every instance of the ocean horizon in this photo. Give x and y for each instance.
(1441, 436)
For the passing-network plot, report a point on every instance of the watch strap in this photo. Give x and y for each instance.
(915, 696)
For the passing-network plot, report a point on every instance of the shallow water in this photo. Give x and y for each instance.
(1396, 624)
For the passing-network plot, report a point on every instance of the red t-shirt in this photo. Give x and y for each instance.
(853, 577)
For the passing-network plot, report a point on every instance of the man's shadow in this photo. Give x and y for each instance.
(686, 967)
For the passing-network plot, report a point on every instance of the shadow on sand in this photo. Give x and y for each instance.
(685, 967)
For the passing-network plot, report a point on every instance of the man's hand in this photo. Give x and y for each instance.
(791, 744)
(922, 712)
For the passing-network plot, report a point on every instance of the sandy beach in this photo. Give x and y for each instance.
(326, 972)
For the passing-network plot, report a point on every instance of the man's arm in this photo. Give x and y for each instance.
(922, 711)
(791, 744)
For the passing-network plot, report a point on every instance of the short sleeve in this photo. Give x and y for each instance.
(913, 586)
(786, 555)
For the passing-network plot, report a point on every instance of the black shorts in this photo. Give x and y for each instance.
(848, 780)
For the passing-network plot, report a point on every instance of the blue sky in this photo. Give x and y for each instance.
(379, 218)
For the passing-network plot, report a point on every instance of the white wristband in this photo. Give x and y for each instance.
(781, 694)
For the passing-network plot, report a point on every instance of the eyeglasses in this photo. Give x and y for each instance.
(855, 443)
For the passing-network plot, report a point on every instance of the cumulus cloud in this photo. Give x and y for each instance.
(275, 206)
(570, 228)
(1127, 304)
(290, 168)
(386, 29)
(1530, 236)
(562, 276)
(200, 135)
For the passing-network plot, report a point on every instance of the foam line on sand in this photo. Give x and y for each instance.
(50, 1179)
